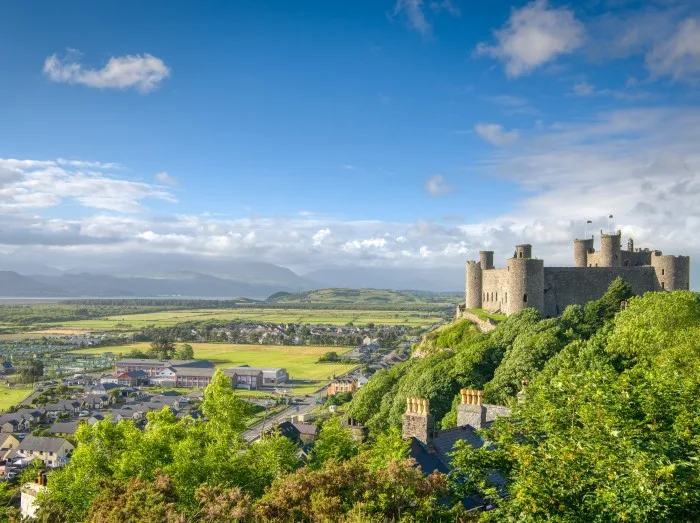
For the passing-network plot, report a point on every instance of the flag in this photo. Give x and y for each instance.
(610, 216)
(589, 221)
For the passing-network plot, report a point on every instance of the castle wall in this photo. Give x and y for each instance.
(494, 290)
(525, 285)
(635, 258)
(473, 285)
(672, 272)
(568, 285)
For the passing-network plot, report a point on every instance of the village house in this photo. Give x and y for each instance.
(8, 443)
(52, 451)
(342, 385)
(64, 428)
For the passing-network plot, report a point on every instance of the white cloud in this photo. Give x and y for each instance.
(679, 55)
(142, 72)
(320, 235)
(43, 184)
(166, 179)
(349, 167)
(584, 89)
(82, 164)
(533, 36)
(627, 95)
(496, 135)
(436, 186)
(414, 11)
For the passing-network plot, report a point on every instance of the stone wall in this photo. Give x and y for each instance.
(568, 285)
(494, 290)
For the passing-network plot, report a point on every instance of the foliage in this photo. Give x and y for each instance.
(329, 357)
(609, 430)
(184, 352)
(162, 349)
(334, 442)
(31, 370)
(353, 491)
(388, 446)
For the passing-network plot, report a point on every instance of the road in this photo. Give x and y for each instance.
(306, 405)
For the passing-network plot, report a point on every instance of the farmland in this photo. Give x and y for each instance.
(299, 316)
(300, 362)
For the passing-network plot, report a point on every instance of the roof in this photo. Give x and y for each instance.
(190, 371)
(242, 371)
(263, 369)
(445, 440)
(306, 428)
(496, 411)
(41, 444)
(428, 461)
(67, 427)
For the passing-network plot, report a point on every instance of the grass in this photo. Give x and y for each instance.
(484, 315)
(10, 397)
(300, 362)
(170, 318)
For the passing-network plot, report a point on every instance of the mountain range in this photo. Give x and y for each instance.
(174, 277)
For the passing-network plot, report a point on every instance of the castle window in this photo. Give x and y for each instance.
(506, 297)
(521, 254)
(496, 296)
(663, 286)
(524, 298)
(663, 271)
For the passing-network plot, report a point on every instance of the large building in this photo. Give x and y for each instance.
(526, 282)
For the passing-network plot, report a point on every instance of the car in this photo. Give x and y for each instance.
(20, 436)
(12, 475)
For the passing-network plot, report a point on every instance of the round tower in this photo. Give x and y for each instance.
(473, 285)
(523, 251)
(525, 284)
(486, 258)
(581, 250)
(610, 249)
(672, 272)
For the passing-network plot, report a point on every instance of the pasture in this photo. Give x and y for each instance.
(9, 397)
(299, 316)
(300, 362)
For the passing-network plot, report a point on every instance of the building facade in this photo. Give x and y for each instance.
(526, 282)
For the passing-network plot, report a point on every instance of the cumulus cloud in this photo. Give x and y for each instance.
(437, 186)
(320, 236)
(166, 179)
(533, 36)
(679, 55)
(142, 72)
(496, 135)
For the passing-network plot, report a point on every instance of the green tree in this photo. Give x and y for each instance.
(226, 411)
(387, 447)
(31, 370)
(185, 352)
(162, 349)
(334, 442)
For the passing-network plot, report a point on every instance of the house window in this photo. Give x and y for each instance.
(524, 298)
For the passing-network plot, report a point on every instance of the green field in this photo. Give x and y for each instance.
(9, 397)
(300, 362)
(333, 317)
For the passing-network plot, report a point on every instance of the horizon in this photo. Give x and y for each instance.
(399, 135)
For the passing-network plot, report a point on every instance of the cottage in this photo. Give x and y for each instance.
(52, 451)
(8, 443)
(66, 428)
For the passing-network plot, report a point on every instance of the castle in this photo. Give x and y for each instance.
(526, 282)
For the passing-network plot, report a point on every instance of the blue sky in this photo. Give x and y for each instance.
(393, 132)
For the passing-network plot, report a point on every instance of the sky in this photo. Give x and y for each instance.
(378, 133)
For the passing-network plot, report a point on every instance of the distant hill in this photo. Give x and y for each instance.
(369, 297)
(450, 279)
(18, 286)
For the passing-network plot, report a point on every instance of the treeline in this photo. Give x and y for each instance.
(26, 315)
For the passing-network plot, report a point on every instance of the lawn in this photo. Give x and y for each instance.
(300, 362)
(9, 397)
(482, 314)
(333, 317)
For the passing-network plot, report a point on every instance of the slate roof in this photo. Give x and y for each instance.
(41, 444)
(194, 371)
(428, 461)
(308, 429)
(445, 440)
(66, 427)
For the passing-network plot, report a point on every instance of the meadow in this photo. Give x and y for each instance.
(300, 362)
(299, 316)
(9, 397)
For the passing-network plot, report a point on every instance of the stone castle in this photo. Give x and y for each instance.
(526, 282)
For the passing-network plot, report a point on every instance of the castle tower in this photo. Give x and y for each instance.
(610, 249)
(525, 284)
(672, 272)
(581, 250)
(471, 411)
(523, 251)
(486, 258)
(417, 421)
(473, 285)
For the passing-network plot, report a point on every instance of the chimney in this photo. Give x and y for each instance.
(521, 395)
(417, 421)
(471, 411)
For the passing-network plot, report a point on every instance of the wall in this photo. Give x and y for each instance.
(568, 285)
(494, 290)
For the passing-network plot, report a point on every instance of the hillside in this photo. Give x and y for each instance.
(366, 297)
